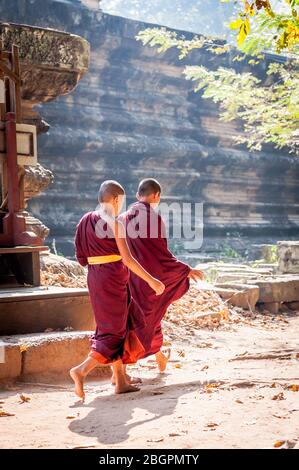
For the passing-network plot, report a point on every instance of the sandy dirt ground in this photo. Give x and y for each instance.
(235, 387)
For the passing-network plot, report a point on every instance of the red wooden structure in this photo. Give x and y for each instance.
(19, 248)
(13, 221)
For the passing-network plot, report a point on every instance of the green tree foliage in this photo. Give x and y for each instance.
(271, 29)
(269, 108)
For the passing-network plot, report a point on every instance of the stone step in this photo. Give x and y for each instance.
(269, 266)
(34, 310)
(249, 270)
(236, 277)
(239, 295)
(219, 265)
(278, 289)
(44, 357)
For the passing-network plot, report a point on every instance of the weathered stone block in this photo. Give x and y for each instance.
(288, 255)
(272, 307)
(239, 295)
(54, 352)
(45, 356)
(293, 305)
(34, 310)
(283, 289)
(10, 360)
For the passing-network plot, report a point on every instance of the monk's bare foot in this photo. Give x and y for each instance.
(134, 380)
(162, 359)
(125, 388)
(78, 378)
(129, 379)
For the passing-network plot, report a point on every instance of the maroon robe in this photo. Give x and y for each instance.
(153, 254)
(116, 313)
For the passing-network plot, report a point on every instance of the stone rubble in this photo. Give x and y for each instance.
(272, 287)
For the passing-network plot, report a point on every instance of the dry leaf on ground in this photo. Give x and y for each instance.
(5, 413)
(279, 396)
(24, 399)
(279, 443)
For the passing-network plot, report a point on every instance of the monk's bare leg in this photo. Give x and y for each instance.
(121, 383)
(79, 373)
(162, 359)
(131, 380)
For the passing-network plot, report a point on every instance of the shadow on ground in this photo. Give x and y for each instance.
(113, 426)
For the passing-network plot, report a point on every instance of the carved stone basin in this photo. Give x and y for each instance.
(52, 63)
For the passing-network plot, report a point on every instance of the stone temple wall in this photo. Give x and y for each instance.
(134, 115)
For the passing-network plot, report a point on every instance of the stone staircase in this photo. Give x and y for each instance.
(44, 332)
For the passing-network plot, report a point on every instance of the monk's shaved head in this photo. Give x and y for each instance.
(149, 186)
(110, 189)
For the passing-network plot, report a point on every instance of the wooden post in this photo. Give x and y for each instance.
(17, 84)
(12, 163)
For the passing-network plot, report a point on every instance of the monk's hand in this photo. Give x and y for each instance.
(157, 286)
(196, 274)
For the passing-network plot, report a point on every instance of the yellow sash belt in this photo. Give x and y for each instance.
(103, 259)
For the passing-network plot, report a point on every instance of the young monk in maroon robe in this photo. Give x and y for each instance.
(151, 250)
(101, 244)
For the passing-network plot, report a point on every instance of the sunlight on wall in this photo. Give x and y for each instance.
(197, 16)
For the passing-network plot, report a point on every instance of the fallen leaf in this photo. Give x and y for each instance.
(224, 314)
(157, 392)
(70, 417)
(211, 425)
(279, 443)
(155, 440)
(273, 385)
(5, 413)
(24, 399)
(178, 366)
(279, 396)
(204, 345)
(250, 423)
(239, 401)
(87, 446)
(204, 368)
(212, 385)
